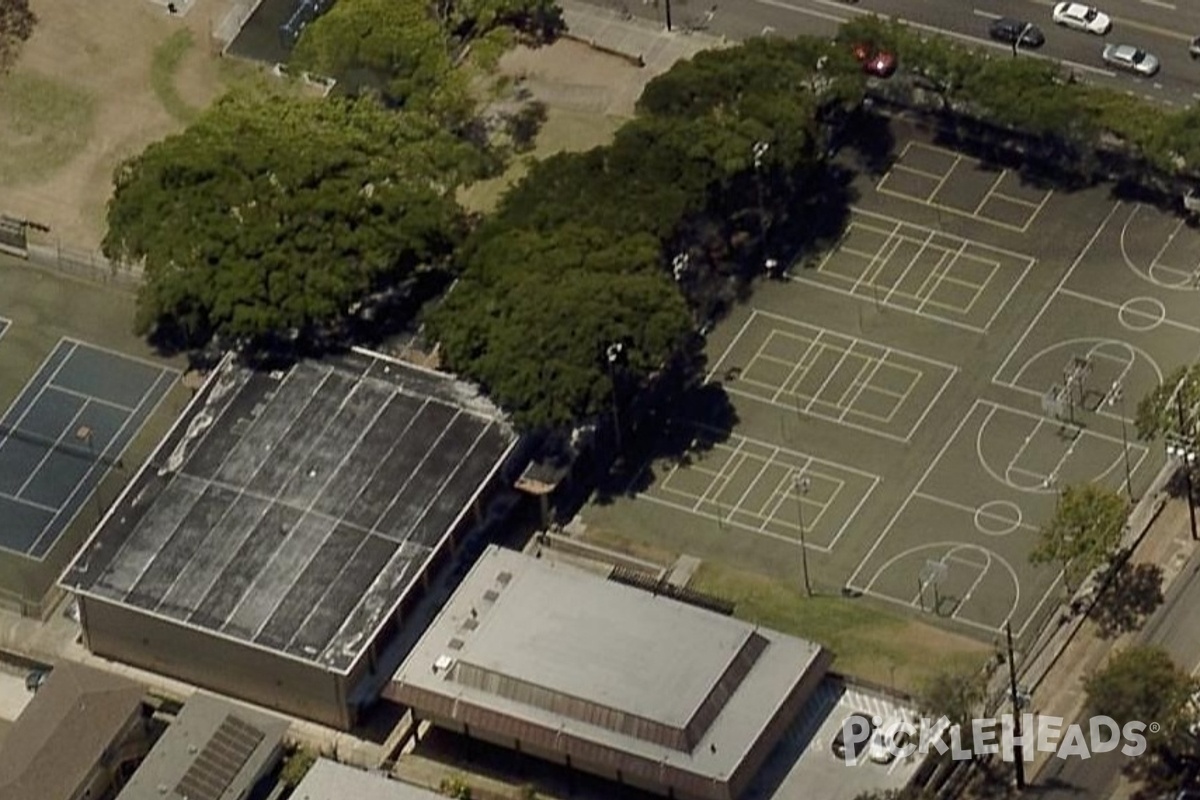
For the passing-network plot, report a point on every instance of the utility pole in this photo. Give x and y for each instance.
(1186, 452)
(801, 484)
(1018, 747)
(613, 355)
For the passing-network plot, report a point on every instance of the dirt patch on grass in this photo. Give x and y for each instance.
(119, 76)
(588, 96)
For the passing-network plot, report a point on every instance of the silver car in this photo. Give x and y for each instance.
(1131, 59)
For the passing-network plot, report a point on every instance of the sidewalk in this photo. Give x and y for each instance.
(1060, 694)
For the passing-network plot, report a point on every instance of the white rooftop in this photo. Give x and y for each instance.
(329, 780)
(562, 648)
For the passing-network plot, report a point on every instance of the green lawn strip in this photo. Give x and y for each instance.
(163, 67)
(868, 642)
(44, 124)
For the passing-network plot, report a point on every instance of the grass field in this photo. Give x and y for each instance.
(164, 68)
(869, 642)
(44, 122)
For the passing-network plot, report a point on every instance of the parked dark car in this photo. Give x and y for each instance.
(1194, 48)
(1009, 30)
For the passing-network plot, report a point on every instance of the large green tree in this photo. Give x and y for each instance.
(1084, 531)
(1142, 683)
(536, 338)
(271, 218)
(394, 45)
(16, 26)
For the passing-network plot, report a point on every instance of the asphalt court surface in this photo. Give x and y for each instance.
(943, 408)
(843, 379)
(978, 508)
(959, 184)
(896, 264)
(766, 489)
(67, 428)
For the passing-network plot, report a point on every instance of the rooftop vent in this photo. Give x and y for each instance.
(470, 624)
(442, 664)
(456, 643)
(491, 595)
(503, 578)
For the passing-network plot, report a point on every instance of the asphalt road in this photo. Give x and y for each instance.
(1172, 627)
(1162, 27)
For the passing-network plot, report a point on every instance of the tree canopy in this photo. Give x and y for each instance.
(614, 245)
(272, 217)
(16, 26)
(1142, 683)
(1084, 531)
(401, 46)
(1158, 411)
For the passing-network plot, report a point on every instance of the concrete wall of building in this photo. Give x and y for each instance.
(215, 663)
(698, 789)
(783, 719)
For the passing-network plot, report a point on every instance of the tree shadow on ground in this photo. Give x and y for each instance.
(700, 419)
(1041, 163)
(1134, 592)
(866, 142)
(818, 223)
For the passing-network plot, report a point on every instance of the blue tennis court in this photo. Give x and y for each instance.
(67, 429)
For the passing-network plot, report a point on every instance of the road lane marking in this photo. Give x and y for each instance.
(1161, 4)
(985, 14)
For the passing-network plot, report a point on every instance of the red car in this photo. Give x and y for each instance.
(878, 62)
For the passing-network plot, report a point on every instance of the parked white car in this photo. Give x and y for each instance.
(1082, 18)
(1131, 59)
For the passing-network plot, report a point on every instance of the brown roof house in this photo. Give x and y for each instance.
(82, 733)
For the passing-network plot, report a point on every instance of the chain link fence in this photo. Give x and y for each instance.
(87, 264)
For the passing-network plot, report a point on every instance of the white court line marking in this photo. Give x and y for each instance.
(1029, 261)
(933, 176)
(920, 481)
(795, 461)
(1068, 344)
(1049, 299)
(991, 191)
(1017, 201)
(732, 343)
(886, 354)
(972, 510)
(723, 476)
(803, 366)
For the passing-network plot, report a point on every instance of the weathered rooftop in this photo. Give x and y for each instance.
(294, 509)
(560, 647)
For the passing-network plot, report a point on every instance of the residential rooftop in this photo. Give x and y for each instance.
(214, 750)
(76, 716)
(292, 510)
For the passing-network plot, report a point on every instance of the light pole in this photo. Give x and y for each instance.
(1183, 449)
(801, 484)
(760, 151)
(1117, 395)
(613, 354)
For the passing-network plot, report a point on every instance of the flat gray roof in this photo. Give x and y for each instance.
(244, 749)
(329, 780)
(541, 634)
(293, 509)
